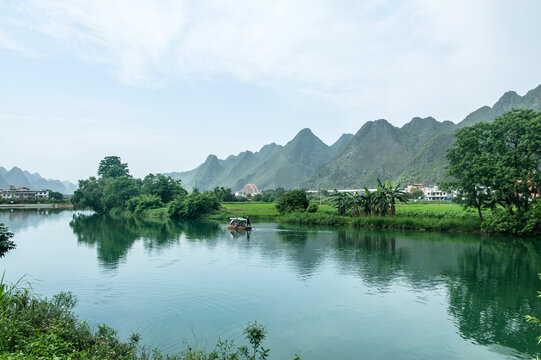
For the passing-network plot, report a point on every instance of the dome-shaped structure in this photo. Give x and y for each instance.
(250, 189)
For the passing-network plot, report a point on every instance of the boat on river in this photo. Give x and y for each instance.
(239, 224)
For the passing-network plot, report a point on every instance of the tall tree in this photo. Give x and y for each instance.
(499, 163)
(112, 167)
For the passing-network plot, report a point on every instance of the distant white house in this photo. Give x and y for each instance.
(435, 194)
(23, 193)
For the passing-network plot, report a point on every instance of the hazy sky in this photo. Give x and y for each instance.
(164, 83)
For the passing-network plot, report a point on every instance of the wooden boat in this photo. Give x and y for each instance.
(239, 224)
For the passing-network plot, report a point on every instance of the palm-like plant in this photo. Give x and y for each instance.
(396, 194)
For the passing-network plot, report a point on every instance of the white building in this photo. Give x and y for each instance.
(435, 194)
(23, 193)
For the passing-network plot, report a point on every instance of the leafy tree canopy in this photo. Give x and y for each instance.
(112, 167)
(294, 200)
(499, 163)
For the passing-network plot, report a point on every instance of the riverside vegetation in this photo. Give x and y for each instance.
(495, 167)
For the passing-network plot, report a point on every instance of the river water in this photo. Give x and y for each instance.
(322, 293)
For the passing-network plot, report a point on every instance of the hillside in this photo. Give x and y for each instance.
(414, 152)
(20, 178)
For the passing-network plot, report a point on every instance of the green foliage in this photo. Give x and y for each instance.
(518, 223)
(312, 208)
(89, 195)
(163, 186)
(143, 202)
(117, 191)
(194, 205)
(498, 164)
(112, 167)
(416, 194)
(54, 195)
(294, 200)
(6, 243)
(381, 202)
(223, 194)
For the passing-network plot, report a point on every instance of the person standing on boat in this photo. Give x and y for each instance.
(248, 222)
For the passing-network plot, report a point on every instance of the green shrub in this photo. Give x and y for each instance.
(142, 203)
(312, 208)
(193, 206)
(294, 200)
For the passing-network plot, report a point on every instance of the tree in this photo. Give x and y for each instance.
(499, 163)
(112, 167)
(89, 195)
(224, 194)
(55, 195)
(163, 186)
(395, 194)
(194, 205)
(6, 243)
(294, 200)
(117, 191)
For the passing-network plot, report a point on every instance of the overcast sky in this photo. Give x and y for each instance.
(165, 83)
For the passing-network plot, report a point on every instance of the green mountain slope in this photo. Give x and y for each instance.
(413, 153)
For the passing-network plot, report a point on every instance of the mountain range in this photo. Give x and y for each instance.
(20, 178)
(413, 153)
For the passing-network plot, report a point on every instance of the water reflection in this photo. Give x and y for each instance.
(113, 236)
(490, 283)
(494, 286)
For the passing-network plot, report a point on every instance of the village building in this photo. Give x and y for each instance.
(23, 193)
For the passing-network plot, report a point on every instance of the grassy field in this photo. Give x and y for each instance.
(256, 211)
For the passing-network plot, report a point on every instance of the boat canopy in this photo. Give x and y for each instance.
(238, 219)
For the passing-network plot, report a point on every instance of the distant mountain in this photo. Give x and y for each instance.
(20, 178)
(271, 167)
(510, 100)
(413, 153)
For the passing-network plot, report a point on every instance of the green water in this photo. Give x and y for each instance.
(322, 293)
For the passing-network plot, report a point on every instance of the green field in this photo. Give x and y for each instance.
(432, 216)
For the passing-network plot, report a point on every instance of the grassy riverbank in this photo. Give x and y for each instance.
(412, 216)
(440, 217)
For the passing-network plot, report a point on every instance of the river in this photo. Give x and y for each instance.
(322, 293)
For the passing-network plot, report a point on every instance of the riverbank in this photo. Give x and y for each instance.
(415, 216)
(36, 206)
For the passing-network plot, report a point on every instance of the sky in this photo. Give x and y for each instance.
(163, 84)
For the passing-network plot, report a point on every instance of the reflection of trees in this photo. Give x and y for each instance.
(491, 291)
(114, 236)
(374, 256)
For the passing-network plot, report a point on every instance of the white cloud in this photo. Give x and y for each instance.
(379, 53)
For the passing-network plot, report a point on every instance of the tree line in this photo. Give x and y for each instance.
(115, 189)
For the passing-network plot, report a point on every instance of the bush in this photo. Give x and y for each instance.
(142, 203)
(5, 243)
(526, 224)
(294, 200)
(194, 205)
(312, 208)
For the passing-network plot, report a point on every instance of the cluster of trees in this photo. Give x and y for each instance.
(381, 202)
(497, 166)
(115, 188)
